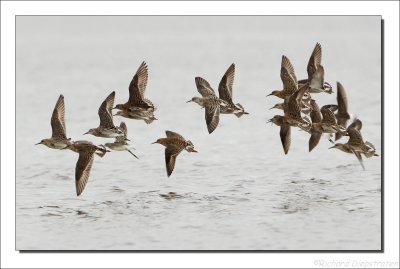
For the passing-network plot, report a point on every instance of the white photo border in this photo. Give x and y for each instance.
(389, 10)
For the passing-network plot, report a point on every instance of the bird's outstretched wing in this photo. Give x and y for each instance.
(82, 171)
(58, 119)
(203, 87)
(225, 86)
(138, 84)
(105, 115)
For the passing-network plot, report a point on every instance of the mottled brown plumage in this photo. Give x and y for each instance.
(288, 78)
(210, 102)
(314, 62)
(316, 118)
(203, 87)
(285, 131)
(316, 73)
(138, 107)
(342, 115)
(106, 128)
(226, 84)
(325, 124)
(137, 88)
(120, 143)
(58, 139)
(356, 145)
(293, 108)
(225, 93)
(105, 115)
(84, 164)
(174, 144)
(58, 119)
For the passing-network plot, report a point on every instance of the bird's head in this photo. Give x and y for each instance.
(43, 142)
(91, 131)
(274, 93)
(197, 100)
(277, 119)
(341, 147)
(278, 106)
(159, 141)
(119, 106)
(190, 147)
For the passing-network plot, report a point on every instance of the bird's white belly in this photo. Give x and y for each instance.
(59, 144)
(117, 147)
(111, 133)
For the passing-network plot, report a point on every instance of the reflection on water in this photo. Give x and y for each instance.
(240, 191)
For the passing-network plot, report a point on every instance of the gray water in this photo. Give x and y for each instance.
(240, 191)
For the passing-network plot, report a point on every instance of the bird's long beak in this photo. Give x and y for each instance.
(332, 147)
(38, 143)
(86, 133)
(154, 142)
(269, 94)
(189, 101)
(272, 107)
(193, 150)
(270, 120)
(114, 108)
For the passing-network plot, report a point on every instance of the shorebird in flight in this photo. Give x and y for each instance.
(120, 143)
(322, 124)
(288, 78)
(84, 164)
(227, 106)
(342, 114)
(210, 101)
(356, 145)
(106, 128)
(138, 107)
(225, 93)
(292, 117)
(316, 73)
(174, 144)
(58, 139)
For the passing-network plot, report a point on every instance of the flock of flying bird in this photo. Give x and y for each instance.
(302, 111)
(298, 107)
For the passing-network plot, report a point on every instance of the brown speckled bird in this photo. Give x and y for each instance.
(106, 128)
(292, 117)
(325, 124)
(174, 144)
(225, 93)
(356, 145)
(211, 103)
(316, 73)
(138, 107)
(288, 78)
(120, 143)
(58, 139)
(285, 132)
(342, 114)
(86, 152)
